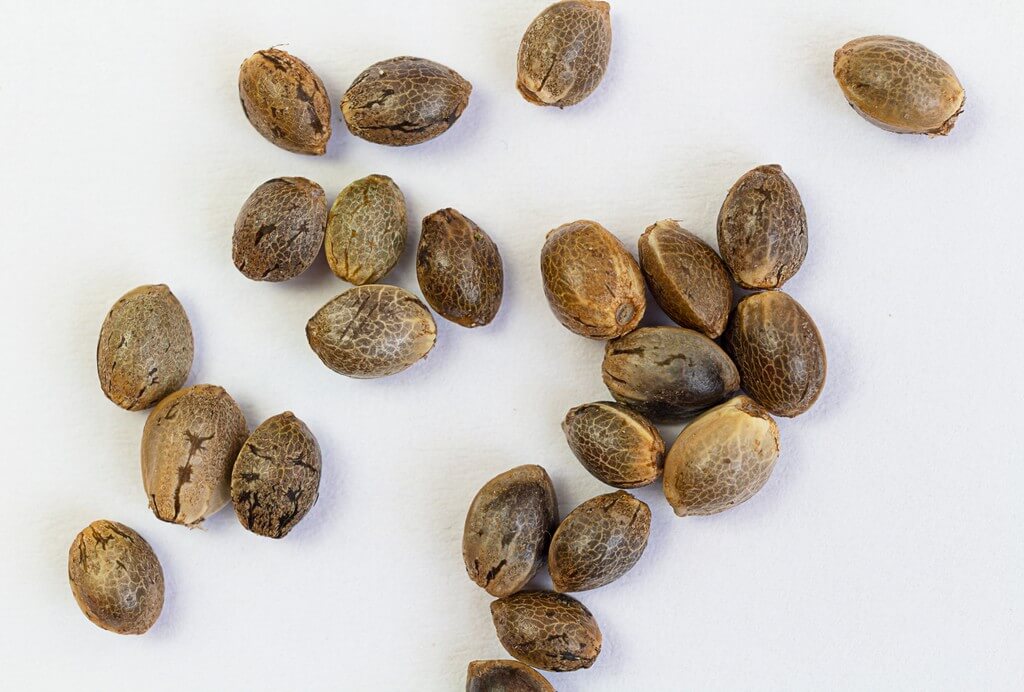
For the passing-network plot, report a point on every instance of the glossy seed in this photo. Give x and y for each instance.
(546, 630)
(504, 676)
(366, 230)
(618, 446)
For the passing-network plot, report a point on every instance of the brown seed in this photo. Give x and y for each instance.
(116, 578)
(285, 101)
(404, 101)
(899, 85)
(618, 446)
(592, 283)
(279, 230)
(564, 53)
(145, 348)
(504, 676)
(276, 478)
(507, 529)
(687, 278)
(762, 229)
(372, 331)
(668, 373)
(779, 352)
(459, 269)
(546, 630)
(722, 458)
(598, 542)
(366, 230)
(189, 444)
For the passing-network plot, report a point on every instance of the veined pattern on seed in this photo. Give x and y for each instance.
(366, 230)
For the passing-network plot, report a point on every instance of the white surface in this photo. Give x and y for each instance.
(886, 552)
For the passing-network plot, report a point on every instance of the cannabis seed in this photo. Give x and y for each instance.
(546, 630)
(618, 446)
(366, 230)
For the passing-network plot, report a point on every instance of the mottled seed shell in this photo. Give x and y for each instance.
(564, 53)
(285, 101)
(668, 373)
(507, 530)
(366, 230)
(546, 630)
(779, 352)
(504, 676)
(592, 283)
(279, 230)
(372, 331)
(899, 85)
(762, 229)
(722, 458)
(459, 269)
(404, 101)
(618, 446)
(116, 578)
(189, 445)
(689, 281)
(598, 542)
(276, 478)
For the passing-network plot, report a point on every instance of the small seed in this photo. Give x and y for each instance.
(504, 676)
(366, 230)
(546, 630)
(618, 446)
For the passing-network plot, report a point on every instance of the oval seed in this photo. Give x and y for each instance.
(546, 630)
(616, 445)
(366, 230)
(504, 676)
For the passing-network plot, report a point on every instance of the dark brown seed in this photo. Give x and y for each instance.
(145, 348)
(504, 676)
(689, 281)
(404, 101)
(116, 578)
(618, 446)
(779, 352)
(546, 630)
(276, 478)
(507, 530)
(285, 101)
(459, 269)
(366, 230)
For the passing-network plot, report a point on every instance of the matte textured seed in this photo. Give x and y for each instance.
(547, 630)
(145, 348)
(116, 578)
(722, 458)
(279, 231)
(459, 269)
(507, 529)
(618, 446)
(189, 444)
(899, 85)
(762, 229)
(372, 331)
(504, 676)
(592, 283)
(564, 53)
(285, 101)
(404, 101)
(366, 230)
(276, 478)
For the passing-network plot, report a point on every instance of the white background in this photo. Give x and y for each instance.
(886, 551)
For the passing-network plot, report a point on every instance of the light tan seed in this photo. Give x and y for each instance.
(618, 446)
(366, 230)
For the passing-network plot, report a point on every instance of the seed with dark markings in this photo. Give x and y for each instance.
(366, 230)
(547, 630)
(618, 446)
(504, 676)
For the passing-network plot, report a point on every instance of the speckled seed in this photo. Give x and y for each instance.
(618, 446)
(404, 101)
(762, 229)
(116, 578)
(276, 478)
(372, 331)
(564, 53)
(459, 269)
(504, 676)
(366, 230)
(668, 373)
(592, 283)
(189, 445)
(779, 352)
(279, 230)
(722, 458)
(285, 101)
(546, 630)
(687, 278)
(899, 85)
(507, 529)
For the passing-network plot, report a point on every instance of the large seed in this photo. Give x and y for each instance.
(779, 352)
(285, 101)
(547, 630)
(366, 230)
(507, 530)
(504, 676)
(564, 53)
(459, 269)
(899, 85)
(189, 445)
(592, 283)
(116, 578)
(372, 331)
(762, 229)
(618, 446)
(721, 458)
(145, 348)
